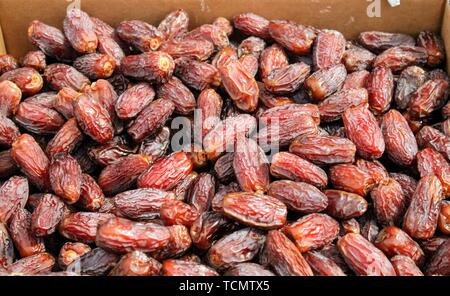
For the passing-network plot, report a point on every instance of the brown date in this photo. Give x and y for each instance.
(26, 243)
(27, 79)
(363, 257)
(174, 24)
(95, 65)
(166, 172)
(136, 264)
(174, 90)
(120, 235)
(328, 50)
(405, 266)
(324, 150)
(65, 177)
(289, 166)
(238, 247)
(298, 196)
(29, 156)
(380, 41)
(141, 35)
(122, 174)
(312, 231)
(142, 204)
(256, 210)
(325, 82)
(283, 257)
(345, 205)
(252, 24)
(362, 128)
(294, 37)
(154, 66)
(80, 31)
(151, 119)
(51, 41)
(434, 46)
(34, 59)
(10, 96)
(394, 241)
(70, 252)
(82, 226)
(422, 216)
(401, 145)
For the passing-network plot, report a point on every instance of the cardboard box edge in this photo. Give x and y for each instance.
(2, 42)
(445, 32)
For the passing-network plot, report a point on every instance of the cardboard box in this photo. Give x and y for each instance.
(348, 16)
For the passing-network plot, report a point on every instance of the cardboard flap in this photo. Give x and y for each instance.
(445, 33)
(349, 17)
(2, 42)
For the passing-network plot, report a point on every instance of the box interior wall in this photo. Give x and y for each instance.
(347, 16)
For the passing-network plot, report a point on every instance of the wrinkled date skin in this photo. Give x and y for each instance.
(430, 162)
(93, 118)
(405, 266)
(408, 83)
(289, 166)
(136, 264)
(286, 80)
(141, 35)
(51, 41)
(79, 30)
(380, 41)
(27, 79)
(7, 63)
(65, 177)
(298, 196)
(401, 57)
(260, 211)
(251, 166)
(70, 252)
(323, 150)
(150, 119)
(394, 241)
(13, 196)
(325, 82)
(82, 226)
(174, 24)
(294, 37)
(440, 262)
(421, 218)
(166, 172)
(351, 178)
(26, 243)
(389, 201)
(10, 96)
(155, 66)
(401, 145)
(237, 247)
(272, 58)
(122, 174)
(363, 257)
(142, 204)
(381, 89)
(173, 267)
(328, 49)
(197, 75)
(240, 85)
(175, 91)
(312, 231)
(332, 108)
(120, 235)
(362, 128)
(429, 97)
(434, 46)
(345, 205)
(30, 157)
(47, 215)
(283, 257)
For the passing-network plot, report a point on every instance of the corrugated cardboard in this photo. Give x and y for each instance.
(347, 16)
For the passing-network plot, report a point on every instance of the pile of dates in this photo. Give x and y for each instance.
(92, 183)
